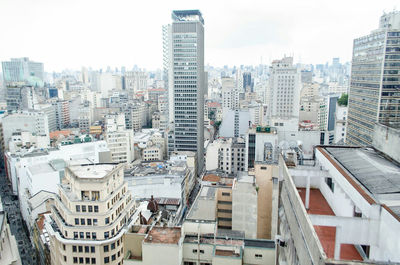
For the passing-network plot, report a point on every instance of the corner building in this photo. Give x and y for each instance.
(90, 215)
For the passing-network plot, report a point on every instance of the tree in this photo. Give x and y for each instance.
(342, 101)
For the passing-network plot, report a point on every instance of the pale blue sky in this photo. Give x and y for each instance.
(74, 33)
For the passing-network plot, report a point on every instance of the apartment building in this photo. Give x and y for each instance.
(90, 215)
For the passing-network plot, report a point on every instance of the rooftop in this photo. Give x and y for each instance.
(177, 168)
(204, 207)
(187, 15)
(92, 171)
(164, 235)
(377, 177)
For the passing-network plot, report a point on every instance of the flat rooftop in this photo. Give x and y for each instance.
(204, 207)
(164, 235)
(98, 171)
(213, 241)
(177, 168)
(327, 234)
(376, 174)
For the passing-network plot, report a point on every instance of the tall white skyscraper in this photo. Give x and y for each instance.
(284, 93)
(187, 79)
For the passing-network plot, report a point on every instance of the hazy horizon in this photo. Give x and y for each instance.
(73, 34)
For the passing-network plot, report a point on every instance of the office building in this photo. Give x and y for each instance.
(28, 121)
(21, 69)
(187, 32)
(284, 93)
(90, 216)
(374, 95)
(119, 139)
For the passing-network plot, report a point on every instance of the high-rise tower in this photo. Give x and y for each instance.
(375, 82)
(187, 78)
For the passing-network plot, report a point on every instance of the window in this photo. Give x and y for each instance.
(96, 209)
(113, 257)
(73, 248)
(76, 221)
(90, 208)
(201, 251)
(330, 183)
(105, 248)
(78, 208)
(87, 248)
(93, 260)
(107, 220)
(87, 235)
(106, 234)
(84, 208)
(107, 260)
(63, 246)
(82, 221)
(258, 256)
(75, 235)
(94, 235)
(87, 260)
(112, 246)
(92, 249)
(75, 260)
(263, 168)
(94, 221)
(89, 221)
(81, 260)
(194, 250)
(80, 249)
(81, 235)
(65, 258)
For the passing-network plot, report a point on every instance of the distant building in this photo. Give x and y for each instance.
(340, 124)
(34, 122)
(21, 69)
(119, 139)
(284, 91)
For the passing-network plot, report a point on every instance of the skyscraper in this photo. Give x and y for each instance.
(284, 93)
(187, 77)
(247, 82)
(375, 83)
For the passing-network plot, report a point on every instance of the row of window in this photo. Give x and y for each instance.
(89, 208)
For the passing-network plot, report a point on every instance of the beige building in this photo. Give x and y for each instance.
(8, 245)
(90, 215)
(193, 244)
(266, 175)
(153, 153)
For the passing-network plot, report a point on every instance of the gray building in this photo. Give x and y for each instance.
(20, 69)
(374, 88)
(187, 77)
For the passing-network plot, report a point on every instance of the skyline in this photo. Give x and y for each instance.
(69, 35)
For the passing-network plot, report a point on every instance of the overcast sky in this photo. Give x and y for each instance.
(74, 33)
